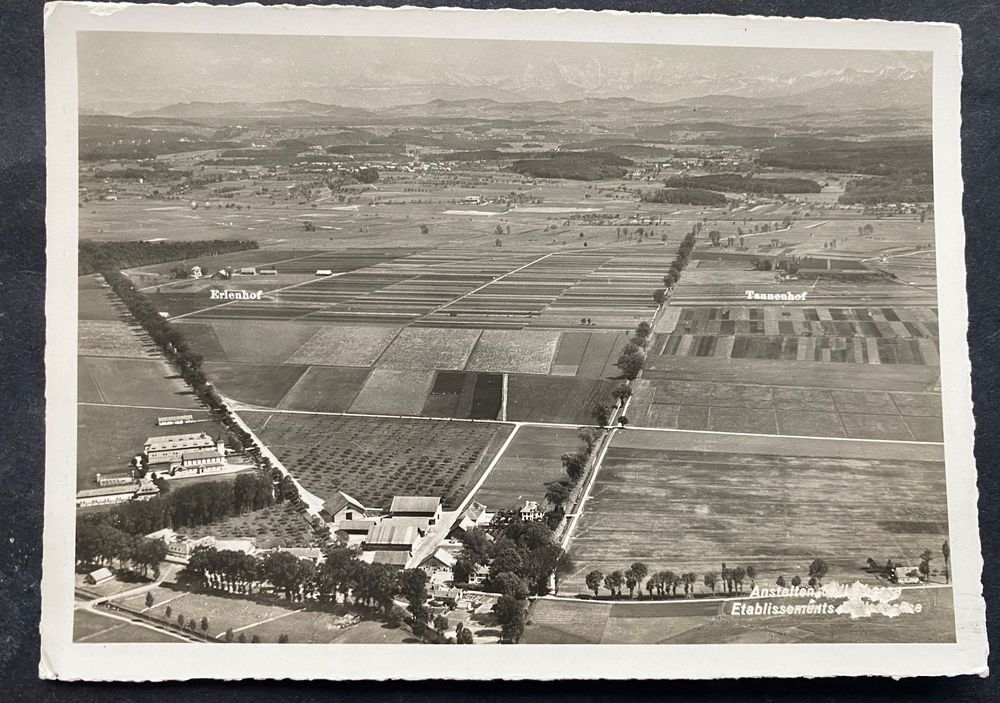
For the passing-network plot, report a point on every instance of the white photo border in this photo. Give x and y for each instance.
(63, 659)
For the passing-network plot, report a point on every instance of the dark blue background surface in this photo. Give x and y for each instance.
(22, 380)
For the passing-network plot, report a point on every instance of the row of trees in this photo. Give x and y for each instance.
(557, 493)
(170, 341)
(375, 586)
(99, 257)
(632, 358)
(104, 544)
(188, 506)
(666, 583)
(673, 274)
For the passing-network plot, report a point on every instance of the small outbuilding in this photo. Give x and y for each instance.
(99, 576)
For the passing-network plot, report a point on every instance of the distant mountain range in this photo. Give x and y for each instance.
(895, 90)
(235, 110)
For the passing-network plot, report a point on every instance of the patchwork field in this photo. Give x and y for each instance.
(531, 460)
(883, 335)
(695, 622)
(376, 459)
(787, 410)
(689, 501)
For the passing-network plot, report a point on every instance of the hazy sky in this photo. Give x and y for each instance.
(127, 72)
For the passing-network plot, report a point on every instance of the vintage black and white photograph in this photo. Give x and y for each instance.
(399, 339)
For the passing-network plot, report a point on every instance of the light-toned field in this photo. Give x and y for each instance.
(374, 459)
(344, 345)
(689, 502)
(514, 351)
(256, 342)
(133, 382)
(418, 348)
(113, 338)
(391, 392)
(266, 619)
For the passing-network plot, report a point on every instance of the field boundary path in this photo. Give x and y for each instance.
(434, 538)
(313, 504)
(592, 478)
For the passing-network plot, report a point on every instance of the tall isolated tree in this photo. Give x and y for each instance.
(557, 493)
(613, 582)
(510, 614)
(601, 413)
(818, 569)
(622, 392)
(925, 564)
(637, 572)
(594, 581)
(945, 547)
(575, 464)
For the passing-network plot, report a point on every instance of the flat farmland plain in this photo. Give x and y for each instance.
(690, 502)
(374, 459)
